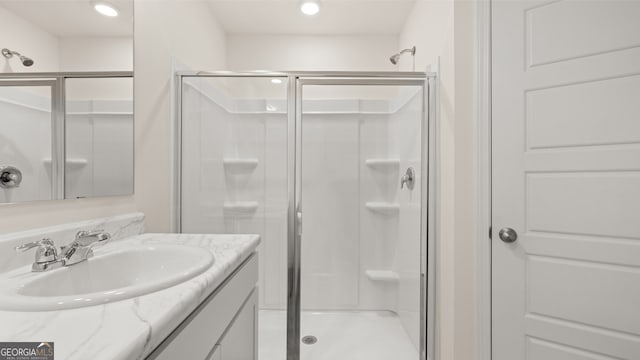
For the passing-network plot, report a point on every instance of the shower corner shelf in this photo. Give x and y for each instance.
(71, 163)
(240, 164)
(387, 276)
(240, 208)
(383, 164)
(383, 207)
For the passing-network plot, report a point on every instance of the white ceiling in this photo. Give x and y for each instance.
(374, 17)
(73, 17)
(365, 17)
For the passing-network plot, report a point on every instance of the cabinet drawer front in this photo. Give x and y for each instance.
(201, 331)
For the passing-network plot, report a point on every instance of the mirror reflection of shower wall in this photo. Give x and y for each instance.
(93, 157)
(26, 125)
(59, 37)
(99, 137)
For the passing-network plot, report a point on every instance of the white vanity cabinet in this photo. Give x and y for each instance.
(240, 341)
(224, 326)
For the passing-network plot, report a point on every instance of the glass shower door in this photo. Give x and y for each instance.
(234, 178)
(359, 172)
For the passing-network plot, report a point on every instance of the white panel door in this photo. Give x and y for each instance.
(566, 178)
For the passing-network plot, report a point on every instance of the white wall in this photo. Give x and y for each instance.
(184, 31)
(465, 179)
(289, 52)
(444, 30)
(28, 39)
(96, 54)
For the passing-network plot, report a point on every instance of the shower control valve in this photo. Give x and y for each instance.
(408, 178)
(10, 177)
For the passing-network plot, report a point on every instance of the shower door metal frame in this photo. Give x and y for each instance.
(295, 236)
(295, 82)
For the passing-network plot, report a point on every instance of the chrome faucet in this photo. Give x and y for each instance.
(82, 247)
(79, 250)
(46, 255)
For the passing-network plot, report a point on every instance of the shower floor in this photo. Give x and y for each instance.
(342, 335)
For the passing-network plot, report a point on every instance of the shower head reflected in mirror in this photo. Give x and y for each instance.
(26, 61)
(395, 57)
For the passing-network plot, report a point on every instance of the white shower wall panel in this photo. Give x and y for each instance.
(25, 142)
(79, 180)
(99, 151)
(406, 144)
(234, 178)
(377, 240)
(113, 154)
(99, 146)
(274, 248)
(330, 207)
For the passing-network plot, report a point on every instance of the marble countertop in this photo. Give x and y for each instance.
(130, 329)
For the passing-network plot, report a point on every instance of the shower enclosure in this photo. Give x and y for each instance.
(332, 170)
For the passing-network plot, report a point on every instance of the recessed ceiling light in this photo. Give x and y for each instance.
(106, 9)
(310, 7)
(276, 81)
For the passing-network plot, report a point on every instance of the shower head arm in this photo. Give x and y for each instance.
(394, 58)
(26, 61)
(412, 50)
(9, 53)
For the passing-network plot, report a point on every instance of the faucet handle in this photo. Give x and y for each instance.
(46, 250)
(81, 248)
(89, 233)
(90, 238)
(31, 245)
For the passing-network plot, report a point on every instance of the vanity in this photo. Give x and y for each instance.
(139, 296)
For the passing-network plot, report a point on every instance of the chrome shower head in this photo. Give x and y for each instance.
(395, 57)
(26, 61)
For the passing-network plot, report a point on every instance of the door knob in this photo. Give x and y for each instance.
(508, 235)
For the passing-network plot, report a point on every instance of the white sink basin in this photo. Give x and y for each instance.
(119, 274)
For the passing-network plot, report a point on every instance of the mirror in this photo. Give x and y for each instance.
(66, 99)
(99, 137)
